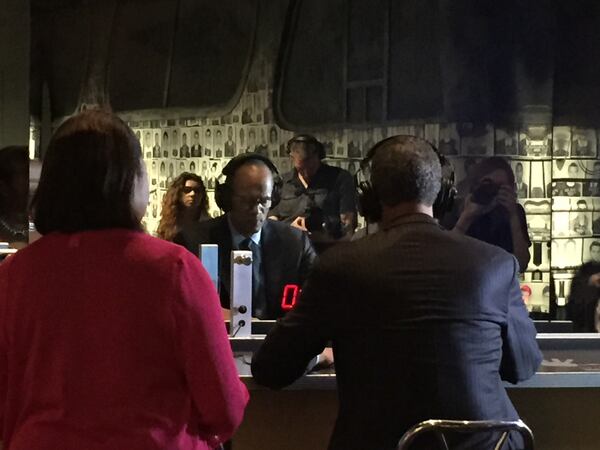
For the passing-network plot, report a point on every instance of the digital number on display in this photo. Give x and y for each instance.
(290, 295)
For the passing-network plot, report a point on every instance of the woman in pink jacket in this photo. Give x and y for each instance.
(109, 338)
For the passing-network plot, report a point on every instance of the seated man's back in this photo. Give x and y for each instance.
(425, 324)
(424, 332)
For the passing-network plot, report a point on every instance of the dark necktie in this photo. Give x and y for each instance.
(258, 291)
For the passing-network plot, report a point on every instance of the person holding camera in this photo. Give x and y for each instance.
(491, 212)
(316, 197)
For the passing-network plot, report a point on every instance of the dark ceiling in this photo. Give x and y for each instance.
(140, 54)
(340, 61)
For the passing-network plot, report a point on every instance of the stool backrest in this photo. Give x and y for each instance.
(439, 427)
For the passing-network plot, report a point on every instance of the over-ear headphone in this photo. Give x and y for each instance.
(309, 141)
(224, 190)
(368, 202)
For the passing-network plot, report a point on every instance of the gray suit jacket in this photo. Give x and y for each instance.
(287, 257)
(425, 323)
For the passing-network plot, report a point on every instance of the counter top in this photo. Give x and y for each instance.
(570, 361)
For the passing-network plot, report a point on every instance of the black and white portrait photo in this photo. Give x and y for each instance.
(506, 142)
(175, 143)
(156, 147)
(230, 143)
(242, 144)
(165, 144)
(583, 142)
(196, 146)
(354, 145)
(521, 171)
(580, 223)
(218, 143)
(561, 142)
(208, 142)
(184, 150)
(262, 148)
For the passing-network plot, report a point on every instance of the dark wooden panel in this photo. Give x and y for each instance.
(212, 49)
(141, 54)
(577, 73)
(59, 53)
(141, 46)
(415, 89)
(367, 40)
(310, 87)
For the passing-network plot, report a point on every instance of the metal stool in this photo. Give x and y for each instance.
(439, 427)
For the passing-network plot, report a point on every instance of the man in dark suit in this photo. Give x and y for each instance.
(282, 254)
(425, 323)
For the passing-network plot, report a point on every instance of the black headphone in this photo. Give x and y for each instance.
(307, 140)
(223, 190)
(368, 202)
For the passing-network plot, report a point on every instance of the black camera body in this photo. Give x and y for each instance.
(485, 192)
(316, 220)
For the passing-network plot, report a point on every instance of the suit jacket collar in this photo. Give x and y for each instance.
(411, 218)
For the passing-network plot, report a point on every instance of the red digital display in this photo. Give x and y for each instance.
(290, 295)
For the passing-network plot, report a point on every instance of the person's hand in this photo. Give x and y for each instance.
(507, 197)
(326, 358)
(225, 313)
(472, 209)
(594, 280)
(300, 223)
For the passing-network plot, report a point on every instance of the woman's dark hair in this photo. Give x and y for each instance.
(172, 209)
(88, 176)
(489, 165)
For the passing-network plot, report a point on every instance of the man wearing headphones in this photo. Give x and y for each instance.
(315, 196)
(282, 255)
(425, 323)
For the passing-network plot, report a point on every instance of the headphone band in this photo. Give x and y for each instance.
(223, 190)
(368, 201)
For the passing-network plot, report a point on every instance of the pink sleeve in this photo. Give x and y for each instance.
(3, 343)
(218, 394)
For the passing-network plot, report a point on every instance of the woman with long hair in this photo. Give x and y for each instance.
(109, 338)
(184, 203)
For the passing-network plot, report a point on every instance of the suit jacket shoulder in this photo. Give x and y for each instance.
(213, 231)
(288, 255)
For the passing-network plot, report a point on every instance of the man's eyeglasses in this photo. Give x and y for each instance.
(188, 189)
(251, 201)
